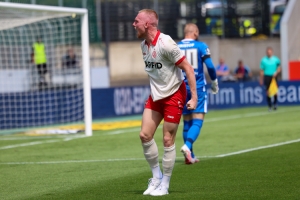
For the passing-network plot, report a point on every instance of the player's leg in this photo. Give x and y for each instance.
(169, 130)
(150, 121)
(196, 118)
(173, 107)
(187, 119)
(187, 123)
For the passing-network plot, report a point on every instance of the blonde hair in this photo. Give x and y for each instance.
(152, 16)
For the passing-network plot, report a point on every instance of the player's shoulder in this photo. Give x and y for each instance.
(166, 42)
(166, 39)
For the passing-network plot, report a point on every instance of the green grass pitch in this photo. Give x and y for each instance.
(245, 154)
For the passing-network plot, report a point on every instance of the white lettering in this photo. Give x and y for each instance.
(225, 96)
(292, 94)
(127, 101)
(281, 96)
(258, 96)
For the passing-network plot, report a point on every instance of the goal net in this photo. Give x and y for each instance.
(44, 67)
(290, 36)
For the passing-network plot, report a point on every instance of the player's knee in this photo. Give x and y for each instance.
(168, 140)
(145, 137)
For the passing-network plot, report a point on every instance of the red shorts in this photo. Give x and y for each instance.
(170, 107)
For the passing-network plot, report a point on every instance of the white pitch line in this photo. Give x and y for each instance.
(257, 148)
(28, 144)
(4, 138)
(43, 142)
(138, 159)
(84, 161)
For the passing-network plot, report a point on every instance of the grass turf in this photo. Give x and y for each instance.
(81, 169)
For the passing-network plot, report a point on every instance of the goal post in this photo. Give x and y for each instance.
(36, 95)
(290, 36)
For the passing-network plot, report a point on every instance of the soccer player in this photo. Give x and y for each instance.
(196, 53)
(270, 68)
(164, 63)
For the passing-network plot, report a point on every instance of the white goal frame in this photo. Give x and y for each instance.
(85, 50)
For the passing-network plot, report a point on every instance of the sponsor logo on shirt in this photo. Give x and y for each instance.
(154, 54)
(207, 51)
(152, 65)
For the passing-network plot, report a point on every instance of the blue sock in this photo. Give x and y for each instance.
(186, 127)
(193, 132)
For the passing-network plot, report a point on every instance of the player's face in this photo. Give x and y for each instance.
(269, 52)
(139, 25)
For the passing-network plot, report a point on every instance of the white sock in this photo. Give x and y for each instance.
(166, 181)
(151, 155)
(156, 172)
(168, 164)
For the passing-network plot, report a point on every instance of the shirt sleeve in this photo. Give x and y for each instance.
(262, 67)
(204, 51)
(172, 51)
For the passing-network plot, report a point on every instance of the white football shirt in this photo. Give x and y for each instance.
(161, 58)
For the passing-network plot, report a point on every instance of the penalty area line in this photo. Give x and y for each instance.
(140, 159)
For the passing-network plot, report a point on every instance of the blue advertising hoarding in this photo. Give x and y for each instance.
(130, 100)
(122, 101)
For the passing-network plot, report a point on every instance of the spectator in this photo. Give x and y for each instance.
(223, 72)
(242, 72)
(39, 58)
(69, 61)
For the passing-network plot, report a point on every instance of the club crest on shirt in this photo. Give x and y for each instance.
(154, 54)
(207, 51)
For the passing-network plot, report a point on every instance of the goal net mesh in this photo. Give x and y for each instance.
(41, 81)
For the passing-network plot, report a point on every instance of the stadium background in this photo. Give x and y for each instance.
(249, 27)
(246, 152)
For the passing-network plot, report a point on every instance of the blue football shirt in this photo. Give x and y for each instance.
(196, 52)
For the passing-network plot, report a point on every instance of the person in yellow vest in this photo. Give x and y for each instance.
(39, 58)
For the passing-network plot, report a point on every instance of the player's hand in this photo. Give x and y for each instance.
(191, 104)
(214, 86)
(261, 82)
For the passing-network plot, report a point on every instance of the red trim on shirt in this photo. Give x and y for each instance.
(156, 38)
(179, 61)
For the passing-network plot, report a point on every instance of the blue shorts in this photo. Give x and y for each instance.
(201, 106)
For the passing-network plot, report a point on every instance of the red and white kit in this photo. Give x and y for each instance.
(168, 91)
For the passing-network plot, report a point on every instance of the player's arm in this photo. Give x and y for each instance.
(211, 69)
(174, 54)
(190, 75)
